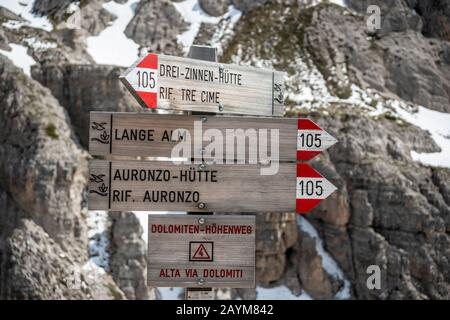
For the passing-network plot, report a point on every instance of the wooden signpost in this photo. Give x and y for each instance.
(168, 82)
(155, 135)
(201, 251)
(164, 186)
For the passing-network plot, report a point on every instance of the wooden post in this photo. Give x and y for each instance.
(207, 54)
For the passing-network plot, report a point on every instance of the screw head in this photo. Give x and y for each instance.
(201, 205)
(201, 220)
(220, 106)
(201, 166)
(201, 281)
(204, 119)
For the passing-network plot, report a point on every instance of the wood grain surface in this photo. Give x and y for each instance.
(257, 92)
(153, 135)
(230, 188)
(232, 262)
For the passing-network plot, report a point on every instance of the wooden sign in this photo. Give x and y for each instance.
(168, 82)
(199, 294)
(155, 135)
(165, 186)
(201, 251)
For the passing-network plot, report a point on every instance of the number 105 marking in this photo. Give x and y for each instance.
(310, 188)
(146, 79)
(310, 140)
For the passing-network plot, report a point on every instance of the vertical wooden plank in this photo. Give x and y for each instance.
(203, 53)
(208, 54)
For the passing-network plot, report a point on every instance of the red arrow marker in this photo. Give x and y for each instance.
(312, 188)
(142, 79)
(311, 140)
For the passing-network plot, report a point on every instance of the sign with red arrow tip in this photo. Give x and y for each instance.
(164, 186)
(311, 140)
(312, 188)
(112, 134)
(168, 82)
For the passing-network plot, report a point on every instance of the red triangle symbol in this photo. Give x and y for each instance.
(201, 253)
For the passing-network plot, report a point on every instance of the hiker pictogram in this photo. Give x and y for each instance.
(201, 251)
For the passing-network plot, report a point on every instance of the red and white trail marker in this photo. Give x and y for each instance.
(311, 140)
(312, 188)
(183, 84)
(141, 79)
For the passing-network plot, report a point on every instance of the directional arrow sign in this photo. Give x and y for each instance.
(312, 188)
(311, 140)
(160, 81)
(164, 186)
(154, 135)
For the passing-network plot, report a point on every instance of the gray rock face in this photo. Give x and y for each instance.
(36, 129)
(405, 63)
(42, 209)
(48, 48)
(275, 234)
(308, 268)
(3, 41)
(94, 18)
(430, 17)
(436, 17)
(39, 268)
(396, 15)
(397, 205)
(247, 5)
(52, 8)
(214, 7)
(84, 88)
(71, 48)
(128, 260)
(156, 26)
(388, 210)
(6, 14)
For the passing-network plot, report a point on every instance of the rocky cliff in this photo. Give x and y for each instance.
(385, 95)
(84, 88)
(43, 238)
(128, 256)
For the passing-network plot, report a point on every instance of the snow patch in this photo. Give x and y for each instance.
(112, 46)
(23, 9)
(170, 293)
(39, 45)
(20, 57)
(438, 125)
(225, 31)
(279, 293)
(339, 2)
(93, 270)
(329, 265)
(73, 7)
(194, 15)
(97, 223)
(223, 294)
